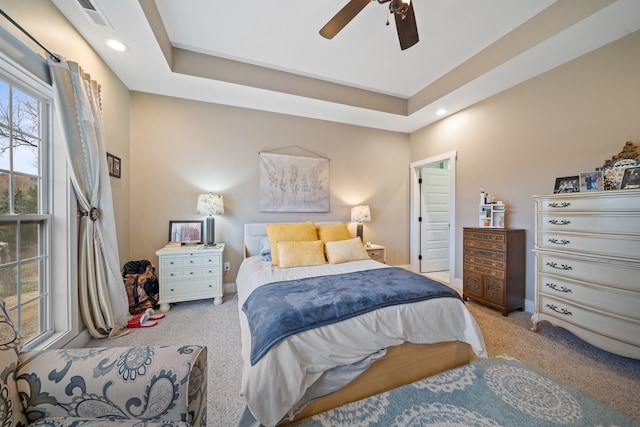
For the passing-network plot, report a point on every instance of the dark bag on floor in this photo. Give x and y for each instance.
(141, 283)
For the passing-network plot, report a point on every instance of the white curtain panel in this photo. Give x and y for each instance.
(103, 299)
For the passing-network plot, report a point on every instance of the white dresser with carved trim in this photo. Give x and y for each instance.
(189, 273)
(587, 250)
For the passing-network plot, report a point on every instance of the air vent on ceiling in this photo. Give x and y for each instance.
(94, 13)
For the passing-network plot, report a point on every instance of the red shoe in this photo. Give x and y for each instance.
(151, 315)
(138, 324)
(142, 320)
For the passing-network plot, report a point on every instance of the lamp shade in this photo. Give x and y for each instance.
(210, 204)
(360, 214)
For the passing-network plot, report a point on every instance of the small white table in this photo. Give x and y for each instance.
(189, 273)
(376, 252)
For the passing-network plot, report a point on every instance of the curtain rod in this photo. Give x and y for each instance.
(25, 32)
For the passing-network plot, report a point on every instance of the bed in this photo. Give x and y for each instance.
(317, 369)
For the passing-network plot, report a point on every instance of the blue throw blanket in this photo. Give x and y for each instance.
(279, 309)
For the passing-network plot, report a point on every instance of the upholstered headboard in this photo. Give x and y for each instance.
(254, 232)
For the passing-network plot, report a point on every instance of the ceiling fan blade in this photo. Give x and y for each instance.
(342, 18)
(407, 28)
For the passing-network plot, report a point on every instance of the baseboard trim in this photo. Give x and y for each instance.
(230, 288)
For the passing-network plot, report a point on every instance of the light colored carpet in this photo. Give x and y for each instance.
(610, 379)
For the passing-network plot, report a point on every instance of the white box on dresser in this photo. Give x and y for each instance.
(587, 249)
(189, 273)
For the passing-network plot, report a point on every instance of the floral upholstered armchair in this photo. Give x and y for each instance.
(123, 386)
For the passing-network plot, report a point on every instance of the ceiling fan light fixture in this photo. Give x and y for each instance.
(399, 7)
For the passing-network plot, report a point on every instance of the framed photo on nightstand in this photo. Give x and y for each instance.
(186, 231)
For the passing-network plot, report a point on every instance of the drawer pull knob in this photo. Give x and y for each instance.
(559, 289)
(562, 311)
(171, 274)
(559, 242)
(559, 205)
(172, 289)
(191, 272)
(171, 262)
(559, 222)
(555, 265)
(191, 262)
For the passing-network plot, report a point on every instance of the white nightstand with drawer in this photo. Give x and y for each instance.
(189, 273)
(377, 252)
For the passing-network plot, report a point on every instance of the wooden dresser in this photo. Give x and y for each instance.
(587, 248)
(494, 265)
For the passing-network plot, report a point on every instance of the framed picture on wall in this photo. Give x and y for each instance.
(113, 165)
(591, 181)
(186, 231)
(567, 184)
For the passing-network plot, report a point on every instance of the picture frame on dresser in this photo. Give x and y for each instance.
(591, 181)
(630, 179)
(186, 231)
(567, 184)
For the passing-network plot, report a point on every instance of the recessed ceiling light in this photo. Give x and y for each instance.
(441, 112)
(117, 45)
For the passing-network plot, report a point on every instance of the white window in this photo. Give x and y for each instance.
(25, 208)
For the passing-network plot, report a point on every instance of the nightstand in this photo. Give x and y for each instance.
(189, 273)
(376, 252)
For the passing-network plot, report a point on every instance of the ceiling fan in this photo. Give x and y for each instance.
(401, 9)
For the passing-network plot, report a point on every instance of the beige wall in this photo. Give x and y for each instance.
(180, 148)
(566, 121)
(43, 20)
(514, 145)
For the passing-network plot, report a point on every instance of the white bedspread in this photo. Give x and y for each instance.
(277, 383)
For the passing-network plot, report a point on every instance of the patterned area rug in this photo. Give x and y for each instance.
(495, 392)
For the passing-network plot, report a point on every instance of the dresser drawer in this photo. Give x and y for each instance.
(498, 256)
(376, 254)
(486, 245)
(602, 244)
(624, 303)
(171, 291)
(185, 272)
(612, 274)
(500, 274)
(178, 261)
(620, 328)
(594, 201)
(484, 236)
(485, 262)
(602, 223)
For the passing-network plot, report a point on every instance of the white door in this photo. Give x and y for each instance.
(434, 211)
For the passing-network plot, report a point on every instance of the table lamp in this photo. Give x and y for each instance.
(210, 204)
(360, 214)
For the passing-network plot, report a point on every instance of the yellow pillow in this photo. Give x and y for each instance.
(301, 254)
(298, 232)
(333, 232)
(345, 251)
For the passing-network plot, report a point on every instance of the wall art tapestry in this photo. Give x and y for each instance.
(293, 183)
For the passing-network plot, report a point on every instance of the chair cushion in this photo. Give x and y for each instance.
(95, 422)
(11, 410)
(147, 384)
